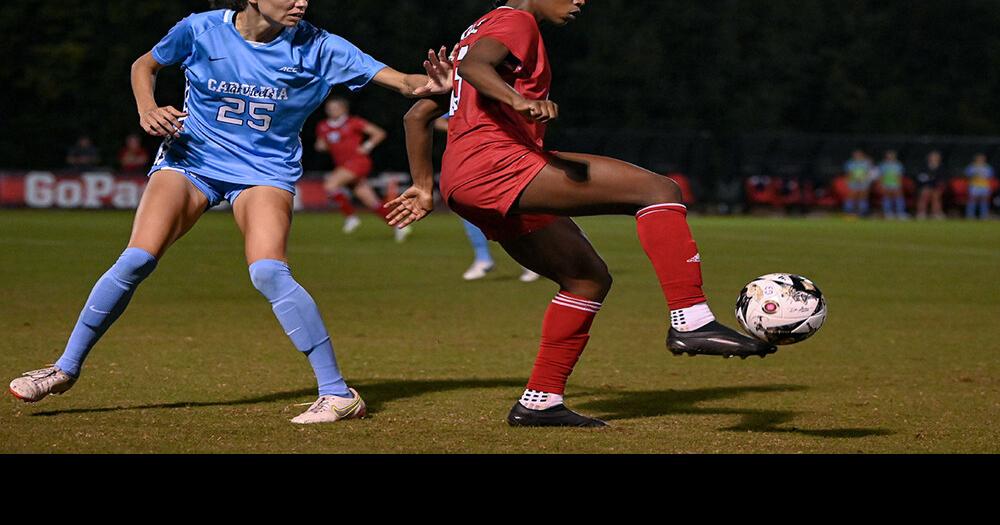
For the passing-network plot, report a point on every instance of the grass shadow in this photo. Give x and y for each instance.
(376, 394)
(642, 404)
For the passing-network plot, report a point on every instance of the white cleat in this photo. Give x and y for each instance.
(328, 409)
(352, 224)
(478, 270)
(403, 233)
(33, 386)
(529, 276)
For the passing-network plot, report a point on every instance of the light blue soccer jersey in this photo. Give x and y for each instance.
(891, 172)
(247, 103)
(858, 170)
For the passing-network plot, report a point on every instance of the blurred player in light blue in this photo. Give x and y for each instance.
(255, 71)
(859, 180)
(980, 175)
(890, 173)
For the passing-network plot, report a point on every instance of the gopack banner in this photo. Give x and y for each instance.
(105, 190)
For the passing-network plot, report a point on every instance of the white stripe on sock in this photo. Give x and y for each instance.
(659, 208)
(576, 307)
(581, 302)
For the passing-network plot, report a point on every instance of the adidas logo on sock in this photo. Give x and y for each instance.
(696, 259)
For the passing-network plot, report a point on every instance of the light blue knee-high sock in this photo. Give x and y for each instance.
(299, 316)
(105, 304)
(901, 206)
(479, 242)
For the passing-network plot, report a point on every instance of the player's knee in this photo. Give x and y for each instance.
(663, 190)
(595, 284)
(269, 277)
(134, 266)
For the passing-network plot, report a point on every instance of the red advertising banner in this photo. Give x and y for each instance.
(104, 190)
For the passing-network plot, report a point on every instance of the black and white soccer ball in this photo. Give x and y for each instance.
(781, 308)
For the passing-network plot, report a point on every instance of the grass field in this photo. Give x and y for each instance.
(909, 360)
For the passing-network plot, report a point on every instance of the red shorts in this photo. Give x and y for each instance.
(360, 166)
(485, 199)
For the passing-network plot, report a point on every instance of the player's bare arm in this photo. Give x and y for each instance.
(155, 120)
(418, 201)
(376, 136)
(479, 68)
(437, 81)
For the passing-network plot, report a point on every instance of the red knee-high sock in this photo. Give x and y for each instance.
(565, 333)
(666, 237)
(342, 200)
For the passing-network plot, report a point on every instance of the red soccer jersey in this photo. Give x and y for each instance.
(485, 135)
(343, 138)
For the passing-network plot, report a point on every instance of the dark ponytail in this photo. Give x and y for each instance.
(498, 3)
(235, 5)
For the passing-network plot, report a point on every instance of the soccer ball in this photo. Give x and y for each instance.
(781, 308)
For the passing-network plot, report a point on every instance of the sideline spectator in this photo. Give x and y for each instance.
(890, 174)
(133, 157)
(859, 180)
(930, 187)
(980, 175)
(83, 155)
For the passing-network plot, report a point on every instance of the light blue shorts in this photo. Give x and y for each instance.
(214, 190)
(979, 192)
(855, 185)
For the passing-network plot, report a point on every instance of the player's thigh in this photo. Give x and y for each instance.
(170, 207)
(264, 215)
(562, 253)
(579, 184)
(339, 178)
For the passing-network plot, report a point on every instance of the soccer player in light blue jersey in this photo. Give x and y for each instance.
(255, 71)
(859, 180)
(891, 173)
(980, 175)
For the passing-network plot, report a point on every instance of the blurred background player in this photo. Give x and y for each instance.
(980, 175)
(133, 157)
(890, 173)
(83, 155)
(350, 140)
(859, 180)
(483, 262)
(930, 187)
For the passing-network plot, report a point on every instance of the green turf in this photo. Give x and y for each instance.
(908, 360)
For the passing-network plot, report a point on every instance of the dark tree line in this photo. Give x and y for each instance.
(725, 66)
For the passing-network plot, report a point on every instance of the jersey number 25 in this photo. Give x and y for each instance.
(259, 119)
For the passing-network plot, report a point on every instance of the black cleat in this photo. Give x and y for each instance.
(557, 416)
(717, 339)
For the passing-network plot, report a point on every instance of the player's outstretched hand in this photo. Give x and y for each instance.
(440, 69)
(414, 204)
(537, 110)
(162, 122)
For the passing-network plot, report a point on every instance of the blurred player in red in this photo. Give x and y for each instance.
(350, 141)
(497, 174)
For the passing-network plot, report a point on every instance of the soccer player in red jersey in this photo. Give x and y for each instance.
(497, 174)
(350, 141)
